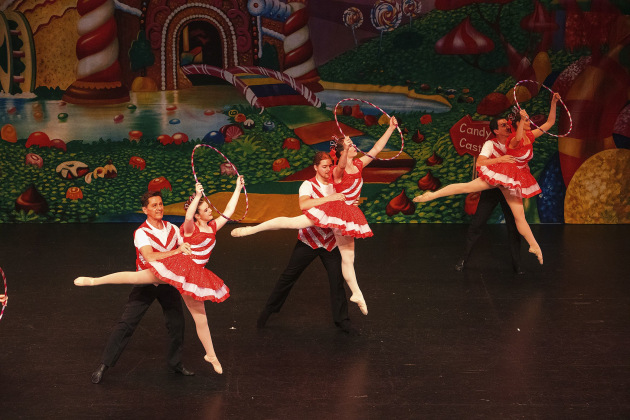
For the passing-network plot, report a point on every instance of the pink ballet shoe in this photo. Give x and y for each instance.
(84, 281)
(423, 198)
(538, 253)
(239, 232)
(215, 363)
(360, 303)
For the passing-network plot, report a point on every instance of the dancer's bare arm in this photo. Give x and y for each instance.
(231, 205)
(338, 170)
(150, 255)
(306, 202)
(380, 144)
(485, 161)
(551, 119)
(189, 221)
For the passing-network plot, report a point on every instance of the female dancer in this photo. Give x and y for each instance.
(514, 178)
(186, 272)
(345, 218)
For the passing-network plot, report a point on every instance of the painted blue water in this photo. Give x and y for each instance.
(389, 102)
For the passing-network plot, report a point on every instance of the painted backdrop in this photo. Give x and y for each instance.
(105, 99)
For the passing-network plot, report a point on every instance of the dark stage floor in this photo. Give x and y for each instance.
(553, 343)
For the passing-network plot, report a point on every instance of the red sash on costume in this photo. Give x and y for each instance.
(156, 244)
(314, 236)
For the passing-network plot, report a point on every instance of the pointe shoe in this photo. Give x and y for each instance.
(215, 363)
(84, 281)
(239, 232)
(538, 253)
(361, 303)
(423, 198)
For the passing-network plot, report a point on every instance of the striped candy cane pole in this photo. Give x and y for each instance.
(98, 70)
(298, 49)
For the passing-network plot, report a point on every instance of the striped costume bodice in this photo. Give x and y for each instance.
(314, 236)
(156, 243)
(201, 243)
(351, 184)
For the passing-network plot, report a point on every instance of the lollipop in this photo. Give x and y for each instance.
(353, 18)
(385, 17)
(411, 8)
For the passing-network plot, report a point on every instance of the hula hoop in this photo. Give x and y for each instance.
(552, 92)
(402, 138)
(4, 305)
(192, 164)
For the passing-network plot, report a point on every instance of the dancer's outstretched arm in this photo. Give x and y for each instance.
(343, 160)
(551, 119)
(189, 221)
(380, 144)
(231, 205)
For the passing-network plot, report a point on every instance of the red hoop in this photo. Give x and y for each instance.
(192, 164)
(402, 138)
(4, 305)
(552, 93)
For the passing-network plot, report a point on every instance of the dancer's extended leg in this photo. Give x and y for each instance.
(346, 249)
(462, 188)
(277, 223)
(198, 311)
(122, 277)
(516, 205)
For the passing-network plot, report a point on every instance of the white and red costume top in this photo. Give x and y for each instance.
(161, 240)
(344, 215)
(314, 236)
(186, 272)
(515, 176)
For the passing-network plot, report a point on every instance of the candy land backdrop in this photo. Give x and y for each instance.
(105, 99)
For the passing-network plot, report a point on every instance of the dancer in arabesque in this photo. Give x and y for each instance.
(342, 215)
(185, 271)
(513, 178)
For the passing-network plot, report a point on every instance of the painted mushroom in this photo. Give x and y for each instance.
(159, 183)
(74, 193)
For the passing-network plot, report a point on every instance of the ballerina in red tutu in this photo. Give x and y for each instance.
(513, 177)
(337, 211)
(185, 268)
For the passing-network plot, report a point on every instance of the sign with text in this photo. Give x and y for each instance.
(468, 136)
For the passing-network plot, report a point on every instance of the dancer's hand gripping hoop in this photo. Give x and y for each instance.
(402, 138)
(192, 164)
(520, 82)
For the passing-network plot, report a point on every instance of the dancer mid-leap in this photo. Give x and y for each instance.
(514, 178)
(336, 211)
(185, 270)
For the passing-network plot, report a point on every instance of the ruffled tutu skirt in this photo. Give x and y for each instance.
(339, 215)
(189, 278)
(515, 177)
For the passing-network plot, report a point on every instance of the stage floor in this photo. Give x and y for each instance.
(549, 344)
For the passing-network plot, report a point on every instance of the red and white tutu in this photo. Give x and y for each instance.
(189, 278)
(344, 215)
(339, 215)
(515, 176)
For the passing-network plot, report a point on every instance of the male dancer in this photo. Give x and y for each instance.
(314, 242)
(493, 151)
(154, 240)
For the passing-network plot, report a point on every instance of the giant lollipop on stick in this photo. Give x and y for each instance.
(353, 18)
(411, 8)
(385, 16)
